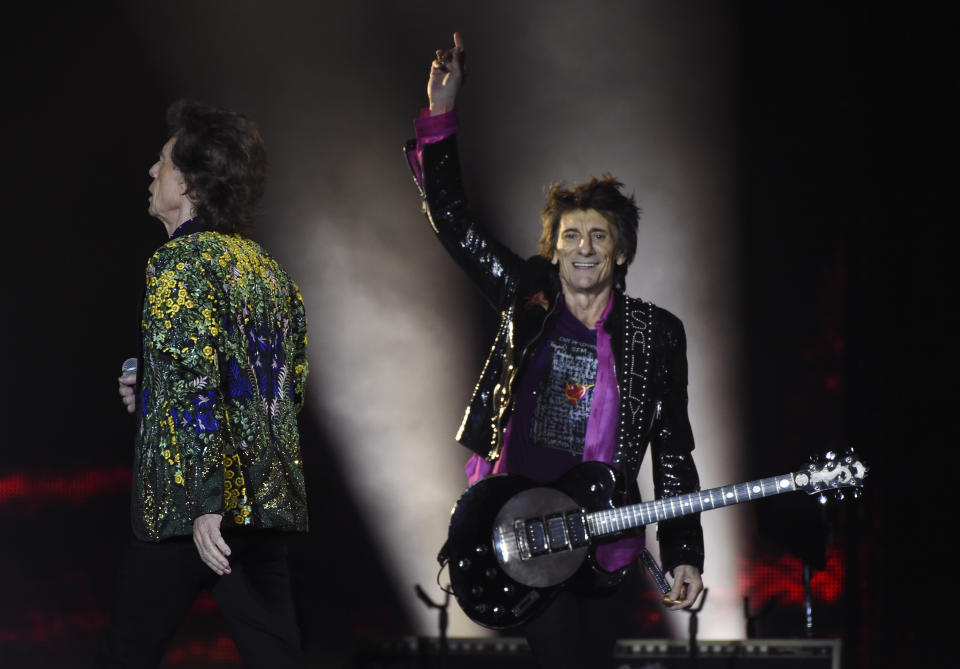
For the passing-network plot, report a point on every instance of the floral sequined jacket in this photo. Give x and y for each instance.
(648, 344)
(223, 370)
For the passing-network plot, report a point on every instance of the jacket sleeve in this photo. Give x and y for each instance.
(181, 332)
(490, 265)
(674, 472)
(299, 365)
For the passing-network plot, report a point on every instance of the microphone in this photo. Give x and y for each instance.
(129, 367)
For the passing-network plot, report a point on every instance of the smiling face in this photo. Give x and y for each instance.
(586, 252)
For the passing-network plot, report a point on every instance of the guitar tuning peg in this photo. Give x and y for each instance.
(839, 494)
(823, 498)
(831, 455)
(856, 494)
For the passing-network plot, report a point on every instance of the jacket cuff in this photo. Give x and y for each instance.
(681, 545)
(430, 129)
(208, 499)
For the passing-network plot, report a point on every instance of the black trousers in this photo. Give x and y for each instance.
(158, 583)
(579, 631)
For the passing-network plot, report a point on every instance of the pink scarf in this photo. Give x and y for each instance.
(599, 444)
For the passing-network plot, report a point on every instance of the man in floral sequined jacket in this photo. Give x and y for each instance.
(218, 474)
(578, 370)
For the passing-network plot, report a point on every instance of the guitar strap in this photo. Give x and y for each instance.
(443, 556)
(655, 573)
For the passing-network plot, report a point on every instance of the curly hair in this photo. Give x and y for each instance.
(223, 161)
(603, 195)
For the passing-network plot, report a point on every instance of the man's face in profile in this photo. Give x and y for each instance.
(167, 188)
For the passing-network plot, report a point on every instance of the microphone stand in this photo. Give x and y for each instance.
(442, 623)
(693, 651)
(807, 600)
(762, 613)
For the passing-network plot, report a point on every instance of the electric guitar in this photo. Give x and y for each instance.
(513, 543)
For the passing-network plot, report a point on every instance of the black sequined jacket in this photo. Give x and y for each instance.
(648, 345)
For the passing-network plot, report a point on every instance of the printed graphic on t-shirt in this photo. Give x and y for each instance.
(564, 397)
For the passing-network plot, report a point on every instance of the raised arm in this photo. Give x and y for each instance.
(436, 166)
(447, 72)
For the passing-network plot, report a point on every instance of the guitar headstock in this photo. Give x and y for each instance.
(832, 472)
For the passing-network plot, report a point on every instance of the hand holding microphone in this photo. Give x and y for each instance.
(128, 382)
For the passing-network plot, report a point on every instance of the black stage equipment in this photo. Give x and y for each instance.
(513, 653)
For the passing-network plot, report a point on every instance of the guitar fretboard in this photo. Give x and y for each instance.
(624, 518)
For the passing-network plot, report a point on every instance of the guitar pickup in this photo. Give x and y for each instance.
(557, 533)
(577, 529)
(536, 536)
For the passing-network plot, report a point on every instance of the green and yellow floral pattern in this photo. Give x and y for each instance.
(224, 368)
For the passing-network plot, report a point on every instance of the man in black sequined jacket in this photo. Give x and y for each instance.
(589, 238)
(651, 374)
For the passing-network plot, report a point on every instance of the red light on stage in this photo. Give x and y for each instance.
(74, 487)
(780, 577)
(221, 649)
(205, 603)
(46, 626)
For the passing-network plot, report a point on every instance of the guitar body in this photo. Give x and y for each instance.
(514, 542)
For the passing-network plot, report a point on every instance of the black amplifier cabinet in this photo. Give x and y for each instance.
(424, 653)
(747, 654)
(513, 653)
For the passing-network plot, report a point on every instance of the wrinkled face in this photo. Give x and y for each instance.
(167, 199)
(586, 252)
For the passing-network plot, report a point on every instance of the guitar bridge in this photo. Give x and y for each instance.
(520, 535)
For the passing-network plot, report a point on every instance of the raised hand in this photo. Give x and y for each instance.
(446, 76)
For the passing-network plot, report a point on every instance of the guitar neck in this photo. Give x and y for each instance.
(612, 521)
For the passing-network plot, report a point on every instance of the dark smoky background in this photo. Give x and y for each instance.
(833, 128)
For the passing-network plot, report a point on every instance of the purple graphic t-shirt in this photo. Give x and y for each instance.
(523, 454)
(553, 400)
